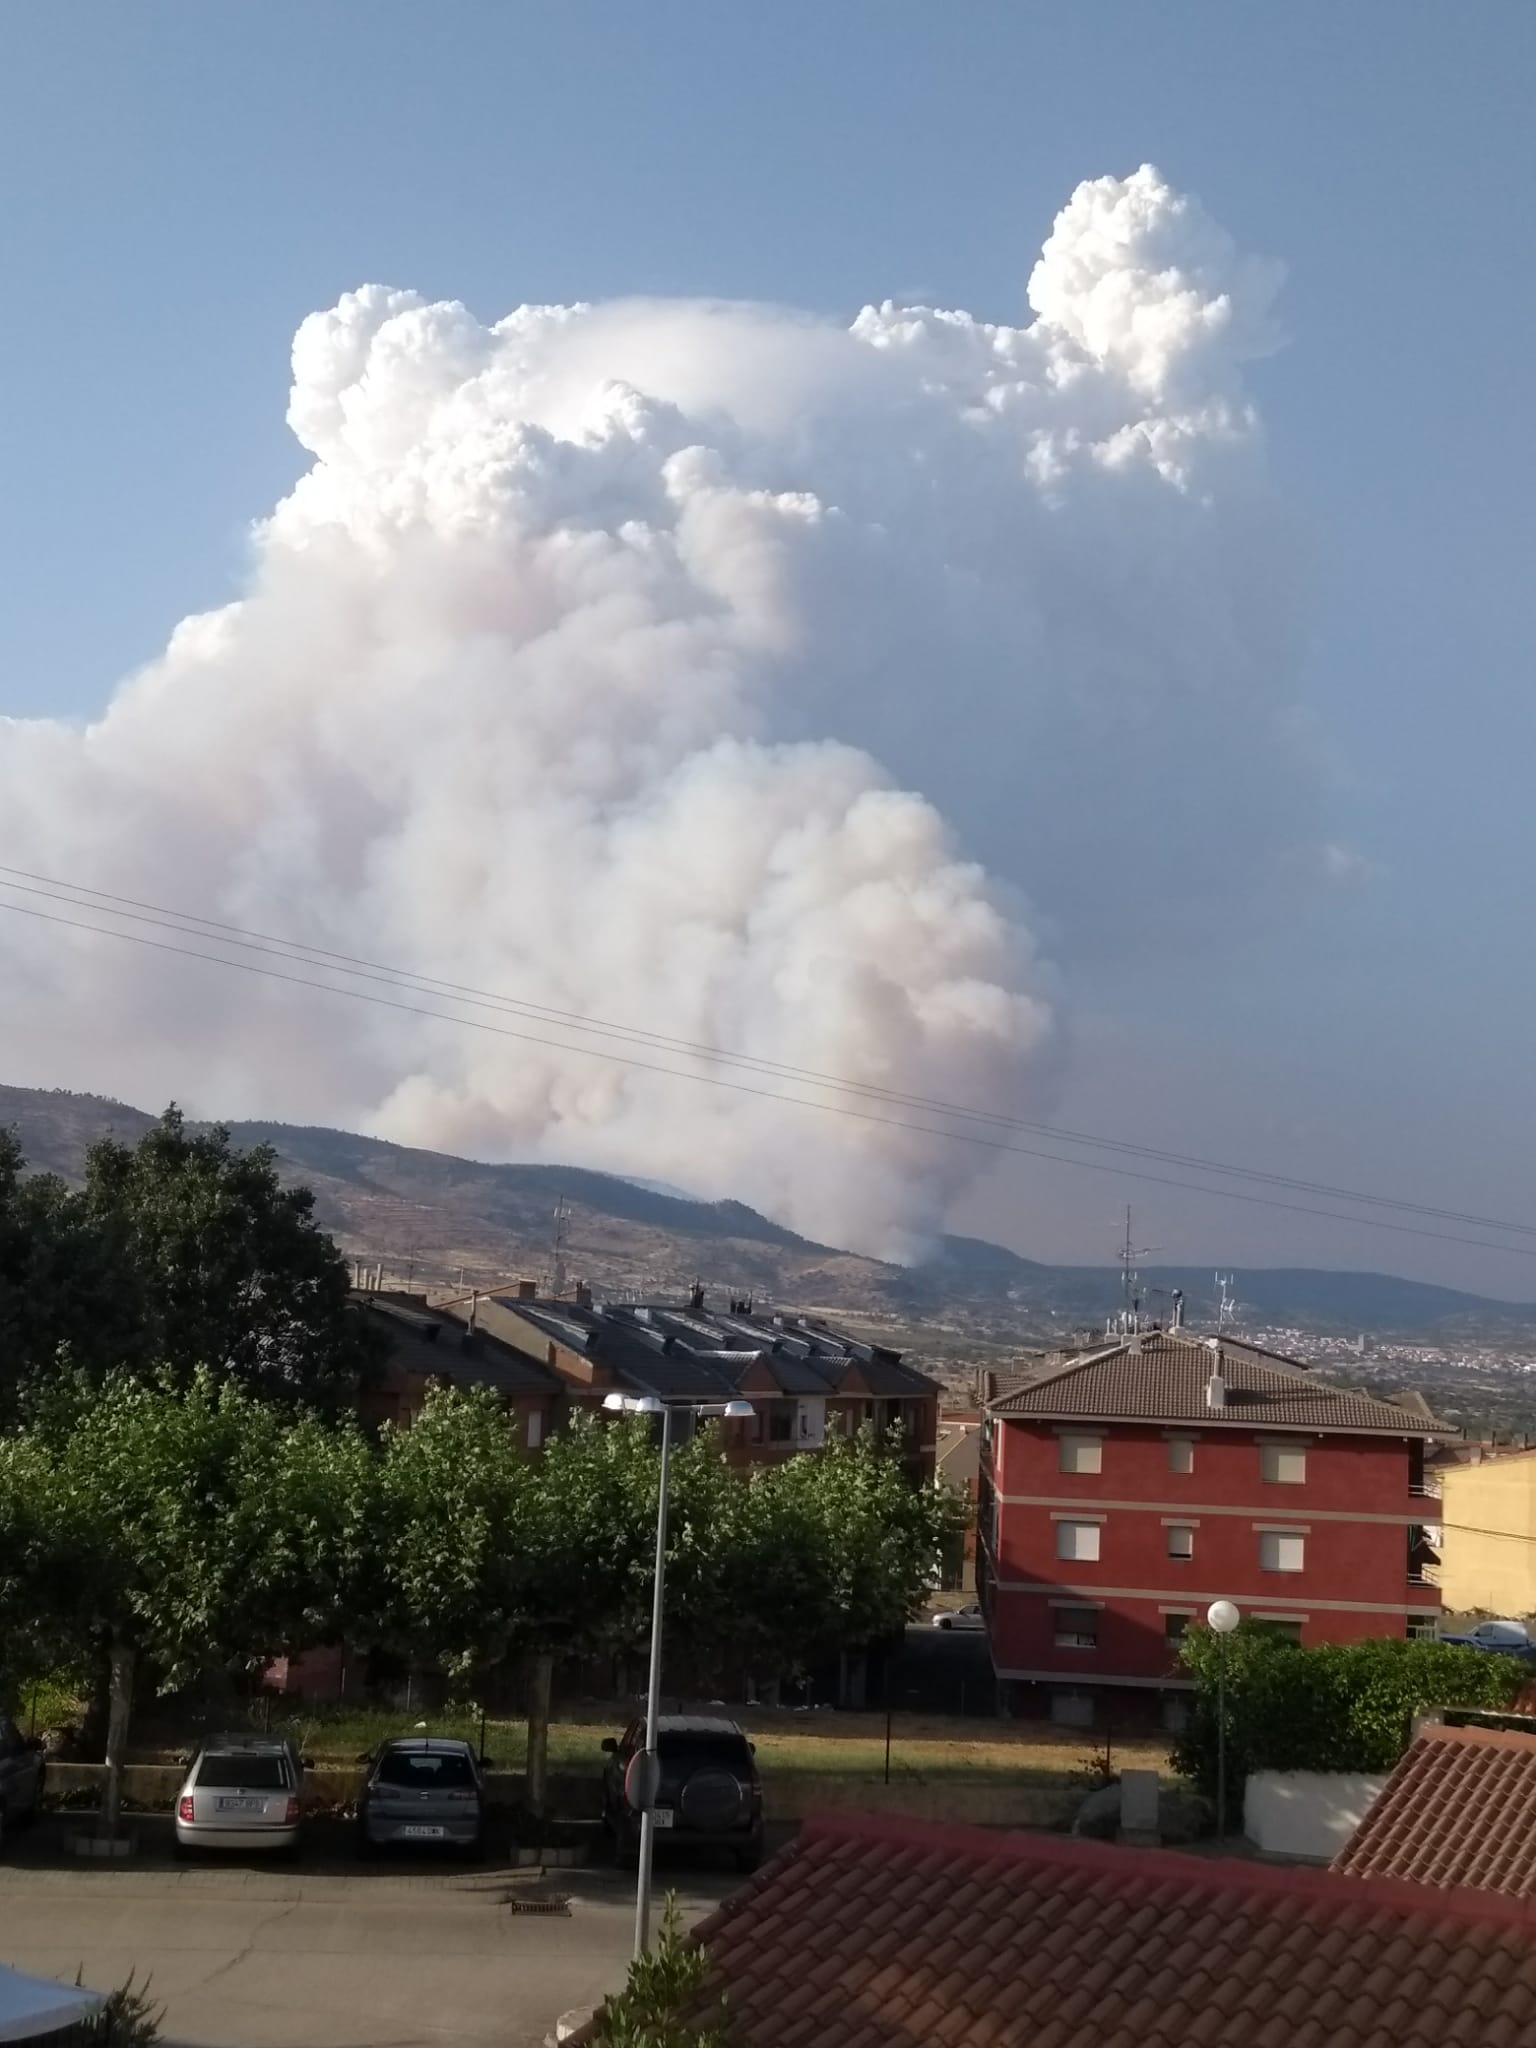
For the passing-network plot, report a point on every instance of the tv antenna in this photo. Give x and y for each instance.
(1226, 1306)
(1128, 1322)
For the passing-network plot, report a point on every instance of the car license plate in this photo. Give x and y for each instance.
(663, 1816)
(422, 1834)
(240, 1805)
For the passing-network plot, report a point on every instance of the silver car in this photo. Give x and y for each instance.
(22, 1768)
(423, 1790)
(242, 1792)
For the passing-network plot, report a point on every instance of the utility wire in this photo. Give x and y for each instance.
(188, 923)
(766, 1094)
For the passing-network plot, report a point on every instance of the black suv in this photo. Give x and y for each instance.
(710, 1796)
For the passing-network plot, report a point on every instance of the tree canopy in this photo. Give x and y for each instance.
(178, 1254)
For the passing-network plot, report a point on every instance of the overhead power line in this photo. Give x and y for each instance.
(188, 923)
(721, 1081)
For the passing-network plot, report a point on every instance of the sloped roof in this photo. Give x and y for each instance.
(697, 1352)
(1161, 1377)
(1459, 1810)
(877, 1933)
(431, 1342)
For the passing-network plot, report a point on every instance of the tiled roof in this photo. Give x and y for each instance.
(1460, 1809)
(875, 1933)
(427, 1341)
(696, 1352)
(1162, 1377)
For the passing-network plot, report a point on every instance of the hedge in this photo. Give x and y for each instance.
(1335, 1707)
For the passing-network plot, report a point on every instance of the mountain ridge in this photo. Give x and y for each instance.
(432, 1217)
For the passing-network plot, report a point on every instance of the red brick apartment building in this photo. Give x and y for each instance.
(1125, 1488)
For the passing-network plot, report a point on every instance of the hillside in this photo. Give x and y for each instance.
(431, 1217)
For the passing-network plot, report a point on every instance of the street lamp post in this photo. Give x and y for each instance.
(1223, 1617)
(647, 1779)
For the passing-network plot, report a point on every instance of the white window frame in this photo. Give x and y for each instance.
(1078, 1542)
(533, 1433)
(1277, 1545)
(1274, 1458)
(1181, 1455)
(1080, 1453)
(1185, 1532)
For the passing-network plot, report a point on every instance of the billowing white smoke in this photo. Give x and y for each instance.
(595, 659)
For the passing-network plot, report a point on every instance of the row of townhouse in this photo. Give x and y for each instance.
(806, 1382)
(1126, 1487)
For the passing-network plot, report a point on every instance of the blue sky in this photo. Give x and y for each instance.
(185, 183)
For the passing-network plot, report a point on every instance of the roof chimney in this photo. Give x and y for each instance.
(1215, 1386)
(527, 1290)
(474, 1310)
(583, 1294)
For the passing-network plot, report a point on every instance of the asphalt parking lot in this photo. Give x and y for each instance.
(406, 1956)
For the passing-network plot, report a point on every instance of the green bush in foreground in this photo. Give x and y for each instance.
(1335, 1707)
(663, 1986)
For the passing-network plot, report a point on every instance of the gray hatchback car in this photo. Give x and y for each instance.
(241, 1792)
(423, 1791)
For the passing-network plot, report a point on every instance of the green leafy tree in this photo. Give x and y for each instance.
(667, 2001)
(488, 1554)
(1333, 1707)
(186, 1531)
(222, 1267)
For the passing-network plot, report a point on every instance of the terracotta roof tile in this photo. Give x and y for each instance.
(1085, 1945)
(1459, 1810)
(1162, 1377)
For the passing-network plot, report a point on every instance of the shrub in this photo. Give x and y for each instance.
(663, 1987)
(1335, 1707)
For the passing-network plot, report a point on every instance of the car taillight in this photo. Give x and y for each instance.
(184, 1809)
(293, 1810)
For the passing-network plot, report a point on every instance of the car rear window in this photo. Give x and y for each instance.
(724, 1752)
(426, 1770)
(248, 1773)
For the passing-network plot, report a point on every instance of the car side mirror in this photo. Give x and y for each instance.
(610, 1745)
(364, 1756)
(307, 1762)
(34, 1742)
(751, 1749)
(487, 1763)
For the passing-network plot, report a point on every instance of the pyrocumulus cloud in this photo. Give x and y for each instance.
(777, 684)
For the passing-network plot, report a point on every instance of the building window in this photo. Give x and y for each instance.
(1419, 1626)
(1181, 1541)
(1175, 1713)
(1283, 1464)
(533, 1434)
(1280, 1631)
(1078, 1542)
(1077, 1628)
(1181, 1454)
(1072, 1709)
(1175, 1629)
(1282, 1550)
(781, 1423)
(1082, 1454)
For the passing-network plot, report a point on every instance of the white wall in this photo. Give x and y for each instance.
(1308, 1814)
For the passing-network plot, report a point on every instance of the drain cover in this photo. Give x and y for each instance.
(558, 1905)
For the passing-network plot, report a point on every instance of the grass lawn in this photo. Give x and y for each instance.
(840, 1745)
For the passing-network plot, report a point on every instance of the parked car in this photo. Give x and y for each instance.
(241, 1792)
(961, 1617)
(423, 1790)
(710, 1795)
(1508, 1638)
(23, 1768)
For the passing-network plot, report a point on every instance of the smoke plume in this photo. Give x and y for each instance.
(778, 685)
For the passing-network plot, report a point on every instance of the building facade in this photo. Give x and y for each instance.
(1488, 1540)
(1125, 1488)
